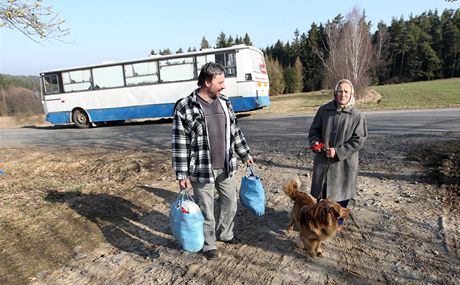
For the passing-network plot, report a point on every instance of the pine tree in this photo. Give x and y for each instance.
(312, 46)
(450, 23)
(275, 74)
(247, 40)
(398, 48)
(298, 67)
(380, 42)
(166, 51)
(238, 40)
(221, 41)
(289, 76)
(204, 43)
(230, 41)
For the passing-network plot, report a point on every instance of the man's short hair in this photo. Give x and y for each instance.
(209, 71)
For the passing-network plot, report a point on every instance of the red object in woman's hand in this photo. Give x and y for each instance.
(318, 147)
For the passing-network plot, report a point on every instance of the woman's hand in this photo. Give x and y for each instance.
(330, 152)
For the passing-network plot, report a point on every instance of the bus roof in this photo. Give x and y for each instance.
(156, 57)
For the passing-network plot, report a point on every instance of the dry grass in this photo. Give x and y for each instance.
(57, 202)
(22, 120)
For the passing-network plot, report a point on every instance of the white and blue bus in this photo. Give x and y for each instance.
(149, 87)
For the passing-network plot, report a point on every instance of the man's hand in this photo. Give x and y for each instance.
(185, 184)
(249, 162)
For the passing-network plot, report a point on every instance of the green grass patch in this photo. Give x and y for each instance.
(420, 95)
(443, 93)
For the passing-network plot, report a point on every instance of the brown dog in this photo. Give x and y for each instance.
(316, 221)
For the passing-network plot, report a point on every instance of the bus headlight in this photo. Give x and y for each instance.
(248, 76)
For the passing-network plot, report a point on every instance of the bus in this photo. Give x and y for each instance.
(149, 87)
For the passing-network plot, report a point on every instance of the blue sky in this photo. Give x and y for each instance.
(106, 30)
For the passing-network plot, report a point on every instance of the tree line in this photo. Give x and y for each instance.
(30, 82)
(222, 41)
(424, 47)
(16, 96)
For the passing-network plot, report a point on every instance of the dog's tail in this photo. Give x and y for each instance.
(292, 189)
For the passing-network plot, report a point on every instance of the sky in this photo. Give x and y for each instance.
(107, 30)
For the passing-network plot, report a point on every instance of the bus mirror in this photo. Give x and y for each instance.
(248, 76)
(36, 94)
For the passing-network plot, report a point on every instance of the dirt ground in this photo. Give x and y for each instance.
(82, 216)
(22, 121)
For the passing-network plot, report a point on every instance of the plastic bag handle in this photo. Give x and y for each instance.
(250, 170)
(185, 195)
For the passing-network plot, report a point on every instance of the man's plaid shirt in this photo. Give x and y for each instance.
(191, 155)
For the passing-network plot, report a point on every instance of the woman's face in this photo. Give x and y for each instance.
(343, 93)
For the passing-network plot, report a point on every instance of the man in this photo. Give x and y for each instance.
(205, 141)
(343, 130)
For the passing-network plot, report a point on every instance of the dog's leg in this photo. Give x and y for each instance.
(319, 250)
(309, 246)
(293, 221)
(300, 243)
(290, 226)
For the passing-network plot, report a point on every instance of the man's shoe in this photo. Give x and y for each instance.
(211, 254)
(234, 240)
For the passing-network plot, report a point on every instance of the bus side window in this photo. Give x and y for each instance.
(141, 73)
(227, 60)
(177, 69)
(220, 59)
(202, 60)
(230, 66)
(108, 76)
(51, 84)
(77, 80)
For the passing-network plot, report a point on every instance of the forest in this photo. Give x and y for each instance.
(423, 47)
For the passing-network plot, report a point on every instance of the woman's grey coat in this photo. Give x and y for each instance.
(346, 131)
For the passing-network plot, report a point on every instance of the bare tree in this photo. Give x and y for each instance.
(348, 51)
(358, 51)
(32, 19)
(330, 54)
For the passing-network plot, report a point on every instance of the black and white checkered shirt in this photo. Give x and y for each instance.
(191, 156)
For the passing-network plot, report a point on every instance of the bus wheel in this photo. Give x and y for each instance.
(81, 119)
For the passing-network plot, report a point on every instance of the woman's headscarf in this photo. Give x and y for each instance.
(352, 101)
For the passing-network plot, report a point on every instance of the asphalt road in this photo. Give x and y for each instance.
(258, 130)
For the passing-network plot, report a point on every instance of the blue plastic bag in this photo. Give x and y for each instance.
(252, 193)
(186, 221)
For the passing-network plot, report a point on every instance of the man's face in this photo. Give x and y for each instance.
(343, 93)
(216, 85)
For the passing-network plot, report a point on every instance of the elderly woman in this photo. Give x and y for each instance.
(342, 128)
